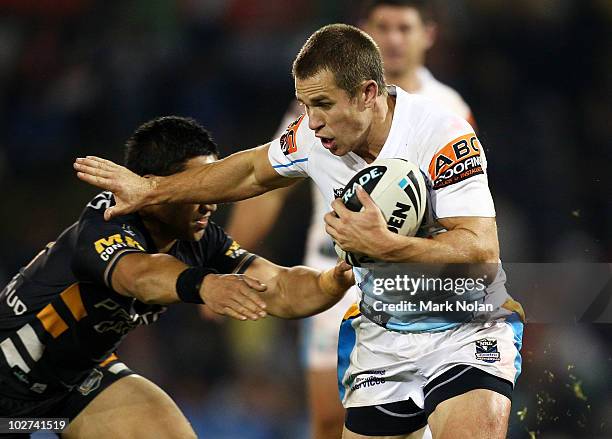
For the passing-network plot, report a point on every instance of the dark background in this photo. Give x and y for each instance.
(77, 76)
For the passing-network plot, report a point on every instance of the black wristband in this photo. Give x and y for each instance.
(189, 282)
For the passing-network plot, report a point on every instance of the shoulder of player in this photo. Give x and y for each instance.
(298, 138)
(93, 214)
(98, 204)
(436, 128)
(428, 118)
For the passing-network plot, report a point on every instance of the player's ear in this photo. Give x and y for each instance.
(369, 91)
(431, 33)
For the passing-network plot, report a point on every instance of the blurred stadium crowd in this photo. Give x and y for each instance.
(77, 76)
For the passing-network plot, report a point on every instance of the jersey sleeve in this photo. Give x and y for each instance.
(289, 153)
(224, 254)
(456, 169)
(101, 244)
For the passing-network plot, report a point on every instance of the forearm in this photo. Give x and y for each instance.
(459, 246)
(301, 291)
(151, 278)
(242, 175)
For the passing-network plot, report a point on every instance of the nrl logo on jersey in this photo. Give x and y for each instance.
(486, 350)
(91, 383)
(338, 192)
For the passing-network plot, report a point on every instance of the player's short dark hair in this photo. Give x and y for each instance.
(347, 52)
(425, 8)
(162, 146)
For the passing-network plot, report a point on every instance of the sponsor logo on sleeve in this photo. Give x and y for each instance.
(235, 250)
(486, 350)
(106, 247)
(458, 160)
(287, 140)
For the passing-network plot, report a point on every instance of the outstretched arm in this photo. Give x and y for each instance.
(151, 278)
(300, 291)
(242, 175)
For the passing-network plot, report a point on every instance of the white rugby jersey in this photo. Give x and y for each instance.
(319, 252)
(442, 144)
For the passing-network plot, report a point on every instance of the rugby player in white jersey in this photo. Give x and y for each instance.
(398, 368)
(404, 31)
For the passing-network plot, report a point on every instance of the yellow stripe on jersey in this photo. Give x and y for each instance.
(514, 306)
(353, 311)
(72, 298)
(111, 357)
(51, 321)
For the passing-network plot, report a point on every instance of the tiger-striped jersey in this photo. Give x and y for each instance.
(59, 316)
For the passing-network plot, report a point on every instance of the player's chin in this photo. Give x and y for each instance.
(195, 234)
(338, 150)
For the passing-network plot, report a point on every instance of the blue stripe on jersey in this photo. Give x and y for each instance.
(346, 342)
(427, 325)
(292, 162)
(516, 324)
(407, 321)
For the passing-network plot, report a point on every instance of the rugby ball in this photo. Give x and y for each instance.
(398, 189)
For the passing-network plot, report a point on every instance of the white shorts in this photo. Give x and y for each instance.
(320, 335)
(377, 366)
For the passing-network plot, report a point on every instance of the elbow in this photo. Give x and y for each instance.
(283, 311)
(141, 287)
(140, 291)
(486, 261)
(148, 300)
(486, 255)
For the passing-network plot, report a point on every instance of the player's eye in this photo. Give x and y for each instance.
(405, 29)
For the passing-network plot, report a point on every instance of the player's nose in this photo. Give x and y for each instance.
(315, 122)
